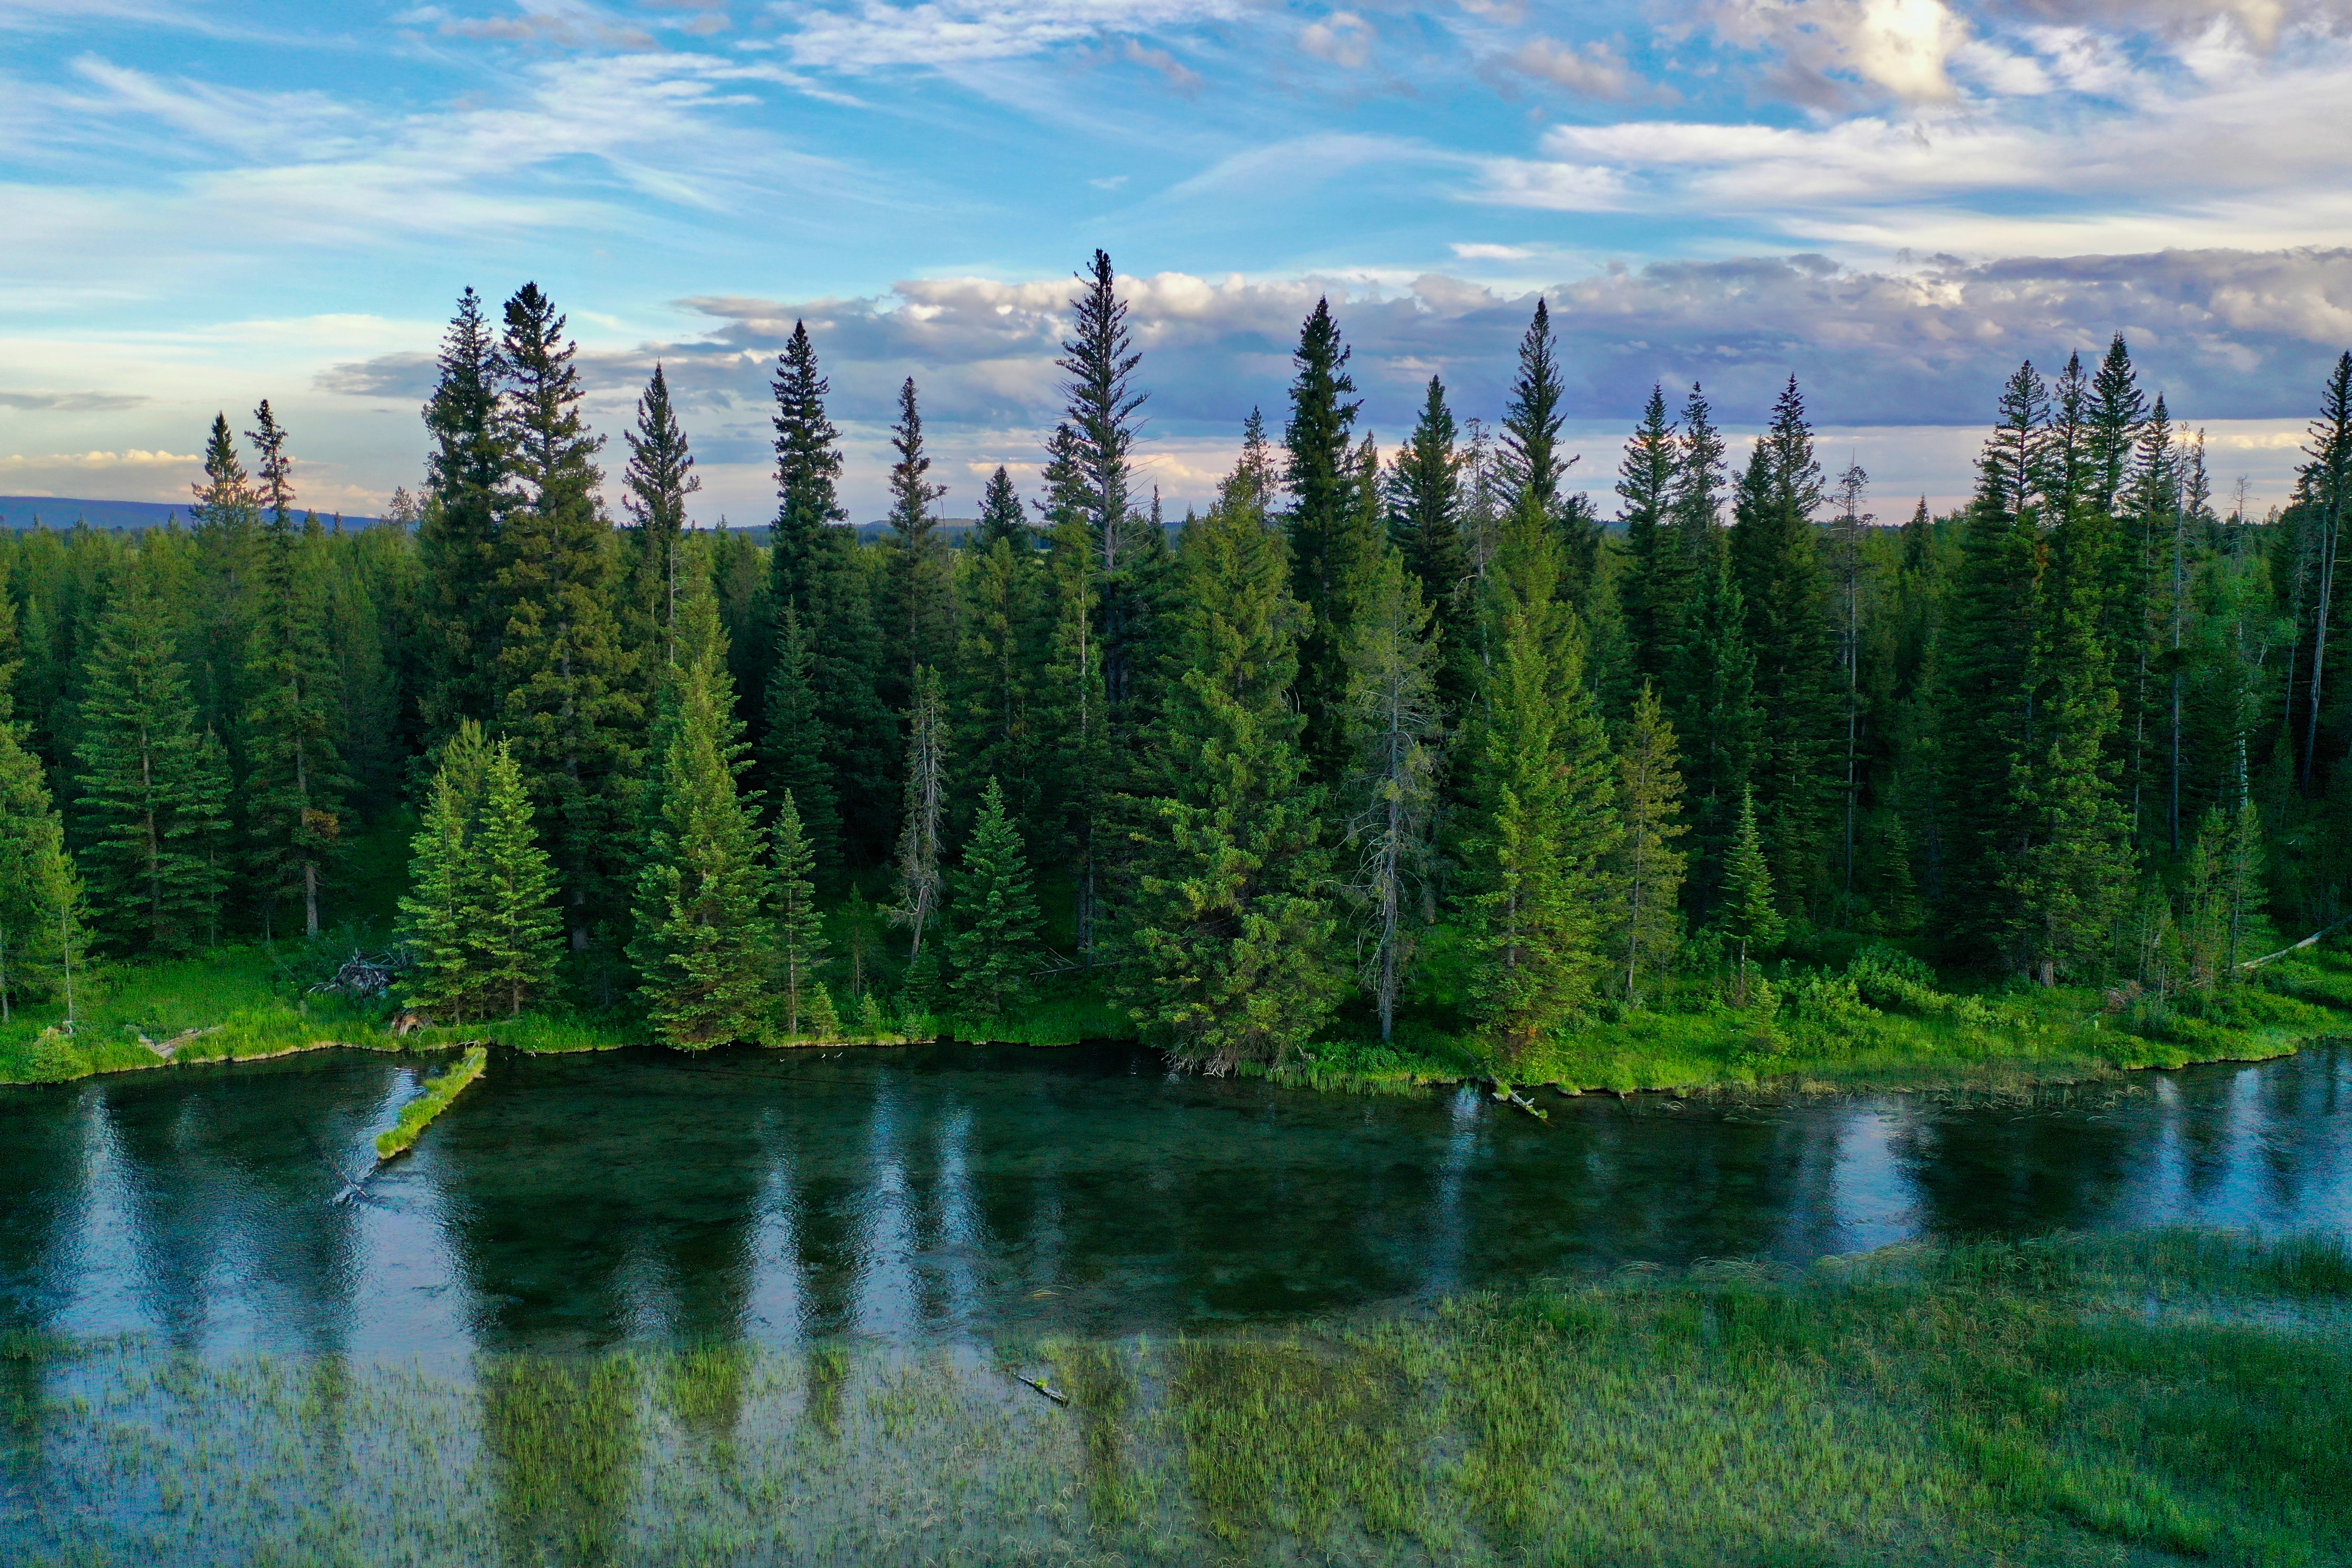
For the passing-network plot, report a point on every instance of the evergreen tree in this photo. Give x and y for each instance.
(1543, 803)
(1649, 868)
(457, 541)
(1531, 420)
(1394, 725)
(2323, 487)
(1001, 516)
(1232, 935)
(923, 811)
(154, 789)
(1323, 523)
(1004, 632)
(808, 463)
(660, 476)
(479, 914)
(1426, 506)
(795, 746)
(702, 949)
(1075, 708)
(1778, 562)
(1091, 476)
(1715, 678)
(295, 787)
(799, 924)
(40, 921)
(567, 701)
(995, 942)
(922, 577)
(1659, 582)
(226, 540)
(1750, 915)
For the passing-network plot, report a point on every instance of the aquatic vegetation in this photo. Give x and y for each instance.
(439, 1092)
(2156, 1395)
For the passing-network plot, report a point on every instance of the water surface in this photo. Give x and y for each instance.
(961, 1194)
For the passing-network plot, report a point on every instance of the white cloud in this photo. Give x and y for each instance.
(873, 35)
(1594, 71)
(1342, 38)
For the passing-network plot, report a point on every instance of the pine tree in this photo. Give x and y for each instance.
(703, 946)
(1531, 462)
(296, 783)
(1322, 524)
(808, 463)
(1750, 915)
(923, 811)
(1232, 935)
(1659, 582)
(1394, 724)
(517, 936)
(479, 915)
(922, 577)
(995, 915)
(660, 476)
(1075, 708)
(1004, 632)
(795, 746)
(457, 536)
(40, 897)
(1778, 565)
(1426, 506)
(799, 924)
(1091, 476)
(153, 804)
(2323, 487)
(1715, 680)
(1649, 868)
(1543, 803)
(1001, 516)
(568, 699)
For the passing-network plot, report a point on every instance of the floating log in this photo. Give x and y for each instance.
(1056, 1394)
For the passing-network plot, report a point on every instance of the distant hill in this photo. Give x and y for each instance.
(64, 511)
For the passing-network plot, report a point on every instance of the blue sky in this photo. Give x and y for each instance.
(1894, 200)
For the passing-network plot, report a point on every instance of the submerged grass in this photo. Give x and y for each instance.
(2161, 1398)
(439, 1092)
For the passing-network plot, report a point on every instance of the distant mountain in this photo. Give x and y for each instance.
(63, 512)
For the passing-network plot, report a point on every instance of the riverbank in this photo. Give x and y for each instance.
(1880, 1023)
(2147, 1398)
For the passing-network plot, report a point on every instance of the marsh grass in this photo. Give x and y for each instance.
(439, 1092)
(1984, 1403)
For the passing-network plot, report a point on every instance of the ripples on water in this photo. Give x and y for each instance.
(958, 1194)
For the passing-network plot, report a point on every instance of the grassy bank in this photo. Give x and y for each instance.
(1875, 1020)
(439, 1094)
(2163, 1397)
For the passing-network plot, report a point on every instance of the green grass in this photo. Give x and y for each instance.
(439, 1092)
(2172, 1396)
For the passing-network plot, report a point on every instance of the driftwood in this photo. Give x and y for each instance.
(407, 1021)
(1505, 1093)
(2306, 941)
(1056, 1394)
(169, 1048)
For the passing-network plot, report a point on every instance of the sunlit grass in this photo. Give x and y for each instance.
(2144, 1398)
(439, 1092)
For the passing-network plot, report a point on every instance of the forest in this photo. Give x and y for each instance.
(1406, 756)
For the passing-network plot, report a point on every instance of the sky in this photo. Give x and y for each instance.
(1896, 201)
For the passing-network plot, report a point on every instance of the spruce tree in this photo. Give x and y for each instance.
(1750, 916)
(702, 950)
(1394, 723)
(1323, 523)
(995, 947)
(1543, 809)
(799, 924)
(1531, 462)
(660, 478)
(1091, 475)
(793, 746)
(1001, 516)
(438, 912)
(1002, 648)
(1649, 868)
(40, 919)
(1715, 680)
(808, 463)
(1232, 935)
(921, 574)
(458, 543)
(516, 938)
(295, 786)
(568, 701)
(1075, 705)
(153, 801)
(1425, 506)
(1658, 584)
(1779, 564)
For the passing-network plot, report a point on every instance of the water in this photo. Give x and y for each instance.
(956, 1196)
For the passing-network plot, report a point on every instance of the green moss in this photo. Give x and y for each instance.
(439, 1092)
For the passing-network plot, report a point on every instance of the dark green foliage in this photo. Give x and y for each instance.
(40, 922)
(1003, 657)
(567, 699)
(795, 746)
(1424, 520)
(1001, 516)
(660, 476)
(1532, 465)
(702, 948)
(152, 812)
(1659, 581)
(799, 925)
(1750, 915)
(808, 462)
(921, 590)
(994, 914)
(461, 623)
(1324, 525)
(479, 915)
(1232, 931)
